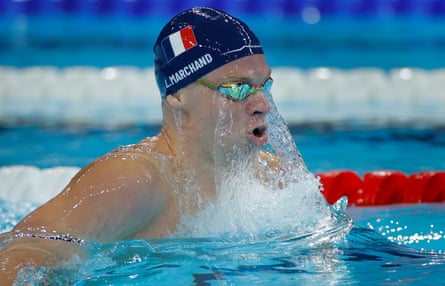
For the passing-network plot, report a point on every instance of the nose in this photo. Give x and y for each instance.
(258, 104)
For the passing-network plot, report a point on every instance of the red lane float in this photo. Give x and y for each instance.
(383, 187)
(337, 184)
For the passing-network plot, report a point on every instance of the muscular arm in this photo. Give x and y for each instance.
(109, 200)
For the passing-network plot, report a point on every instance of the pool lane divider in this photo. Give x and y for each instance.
(383, 187)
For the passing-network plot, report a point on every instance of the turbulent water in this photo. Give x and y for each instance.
(362, 257)
(252, 221)
(229, 259)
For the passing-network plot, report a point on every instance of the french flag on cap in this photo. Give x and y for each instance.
(179, 42)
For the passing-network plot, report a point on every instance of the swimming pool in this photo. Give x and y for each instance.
(31, 173)
(66, 101)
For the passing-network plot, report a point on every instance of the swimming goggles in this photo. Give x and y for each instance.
(237, 90)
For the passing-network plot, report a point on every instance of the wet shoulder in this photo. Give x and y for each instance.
(144, 151)
(126, 161)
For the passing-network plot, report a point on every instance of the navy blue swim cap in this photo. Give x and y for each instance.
(196, 42)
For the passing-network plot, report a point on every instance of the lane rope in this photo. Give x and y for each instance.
(383, 187)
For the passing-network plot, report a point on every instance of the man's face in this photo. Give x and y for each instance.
(228, 124)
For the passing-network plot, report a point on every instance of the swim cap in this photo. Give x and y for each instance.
(197, 41)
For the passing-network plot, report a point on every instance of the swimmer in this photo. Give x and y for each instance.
(205, 62)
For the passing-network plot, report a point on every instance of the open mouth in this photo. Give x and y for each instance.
(259, 131)
(259, 135)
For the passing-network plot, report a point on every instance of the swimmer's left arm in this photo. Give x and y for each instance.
(109, 200)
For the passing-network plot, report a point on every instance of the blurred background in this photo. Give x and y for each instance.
(336, 33)
(334, 60)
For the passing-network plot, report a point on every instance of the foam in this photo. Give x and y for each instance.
(128, 95)
(31, 184)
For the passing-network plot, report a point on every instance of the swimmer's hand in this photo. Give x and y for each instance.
(33, 252)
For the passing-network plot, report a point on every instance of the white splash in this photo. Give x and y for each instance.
(287, 205)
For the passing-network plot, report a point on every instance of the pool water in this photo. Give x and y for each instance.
(360, 82)
(386, 245)
(324, 146)
(362, 257)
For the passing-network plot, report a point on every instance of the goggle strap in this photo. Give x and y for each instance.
(207, 84)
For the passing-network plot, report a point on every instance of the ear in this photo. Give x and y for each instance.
(175, 100)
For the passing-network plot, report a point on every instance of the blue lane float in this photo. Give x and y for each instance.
(279, 8)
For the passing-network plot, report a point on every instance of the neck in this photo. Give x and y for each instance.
(193, 174)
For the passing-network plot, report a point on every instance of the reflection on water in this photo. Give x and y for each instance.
(362, 258)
